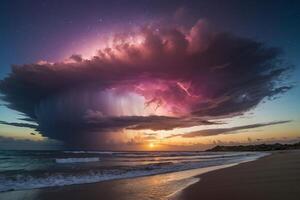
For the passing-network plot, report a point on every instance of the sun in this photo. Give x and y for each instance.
(151, 145)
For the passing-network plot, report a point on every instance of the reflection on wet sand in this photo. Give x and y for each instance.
(163, 186)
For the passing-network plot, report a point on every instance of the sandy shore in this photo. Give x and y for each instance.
(273, 177)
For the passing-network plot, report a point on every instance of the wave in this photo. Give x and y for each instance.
(137, 154)
(30, 181)
(76, 160)
(91, 152)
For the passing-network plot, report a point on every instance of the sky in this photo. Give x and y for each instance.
(148, 75)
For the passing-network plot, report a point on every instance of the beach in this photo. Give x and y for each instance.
(272, 177)
(276, 176)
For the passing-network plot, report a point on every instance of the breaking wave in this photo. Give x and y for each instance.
(76, 160)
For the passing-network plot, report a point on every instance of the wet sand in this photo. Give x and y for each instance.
(270, 178)
(273, 177)
(161, 186)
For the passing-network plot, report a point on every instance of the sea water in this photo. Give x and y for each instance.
(20, 170)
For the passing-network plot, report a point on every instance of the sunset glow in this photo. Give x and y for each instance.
(151, 145)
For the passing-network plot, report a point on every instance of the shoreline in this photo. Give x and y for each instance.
(178, 193)
(276, 176)
(164, 186)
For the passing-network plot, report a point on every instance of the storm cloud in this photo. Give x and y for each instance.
(152, 79)
(218, 131)
(21, 144)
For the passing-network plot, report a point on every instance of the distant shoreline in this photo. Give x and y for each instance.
(257, 147)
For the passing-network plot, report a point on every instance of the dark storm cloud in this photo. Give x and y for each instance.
(143, 122)
(194, 74)
(218, 131)
(21, 144)
(168, 123)
(25, 125)
(83, 130)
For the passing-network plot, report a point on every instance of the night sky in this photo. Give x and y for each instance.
(148, 75)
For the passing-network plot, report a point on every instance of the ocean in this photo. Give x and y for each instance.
(21, 170)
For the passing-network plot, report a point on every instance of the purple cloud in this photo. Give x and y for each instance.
(159, 80)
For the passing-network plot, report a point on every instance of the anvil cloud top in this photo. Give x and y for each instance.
(153, 76)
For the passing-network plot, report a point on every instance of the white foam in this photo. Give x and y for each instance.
(76, 160)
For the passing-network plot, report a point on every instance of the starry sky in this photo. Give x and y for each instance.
(148, 75)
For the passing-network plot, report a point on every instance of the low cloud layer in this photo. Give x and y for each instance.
(157, 79)
(21, 144)
(24, 125)
(232, 130)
